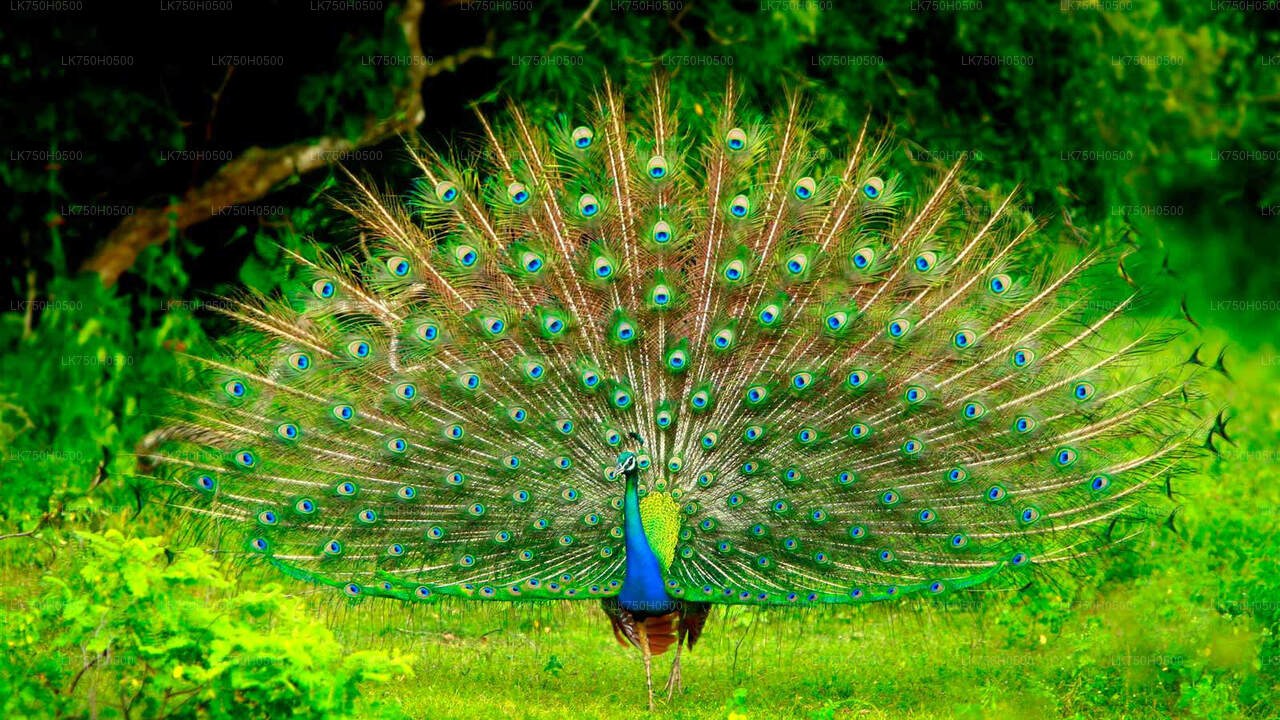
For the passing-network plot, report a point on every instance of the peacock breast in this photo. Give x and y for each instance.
(660, 518)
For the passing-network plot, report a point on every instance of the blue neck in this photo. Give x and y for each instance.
(643, 589)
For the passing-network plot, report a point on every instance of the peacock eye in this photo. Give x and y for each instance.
(234, 388)
(657, 167)
(925, 261)
(446, 191)
(661, 232)
(739, 206)
(398, 266)
(873, 188)
(769, 314)
(518, 193)
(837, 320)
(863, 258)
(531, 261)
(582, 137)
(999, 284)
(734, 271)
(805, 188)
(428, 332)
(602, 267)
(723, 339)
(465, 255)
(300, 361)
(358, 349)
(898, 327)
(736, 139)
(323, 289)
(1022, 357)
(588, 206)
(797, 263)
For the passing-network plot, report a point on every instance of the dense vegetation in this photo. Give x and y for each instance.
(1142, 121)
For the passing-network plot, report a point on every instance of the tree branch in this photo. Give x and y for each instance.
(258, 171)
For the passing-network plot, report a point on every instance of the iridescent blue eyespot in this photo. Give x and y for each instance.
(398, 266)
(1065, 456)
(446, 191)
(323, 289)
(999, 284)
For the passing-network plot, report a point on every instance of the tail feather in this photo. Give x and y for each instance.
(850, 395)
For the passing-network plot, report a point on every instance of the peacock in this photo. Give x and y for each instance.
(668, 357)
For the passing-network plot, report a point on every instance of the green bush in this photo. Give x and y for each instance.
(136, 631)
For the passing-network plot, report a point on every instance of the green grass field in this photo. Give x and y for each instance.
(1181, 624)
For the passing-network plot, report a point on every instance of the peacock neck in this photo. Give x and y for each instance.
(643, 590)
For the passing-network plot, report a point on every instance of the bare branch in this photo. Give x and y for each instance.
(258, 171)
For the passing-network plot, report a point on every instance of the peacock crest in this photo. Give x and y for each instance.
(850, 391)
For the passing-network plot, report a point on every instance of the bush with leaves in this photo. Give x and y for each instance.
(136, 631)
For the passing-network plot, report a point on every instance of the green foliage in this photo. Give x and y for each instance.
(135, 631)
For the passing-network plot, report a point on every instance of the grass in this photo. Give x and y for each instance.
(1182, 624)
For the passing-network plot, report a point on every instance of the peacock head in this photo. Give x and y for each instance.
(627, 465)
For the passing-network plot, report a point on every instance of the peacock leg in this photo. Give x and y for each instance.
(674, 683)
(648, 665)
